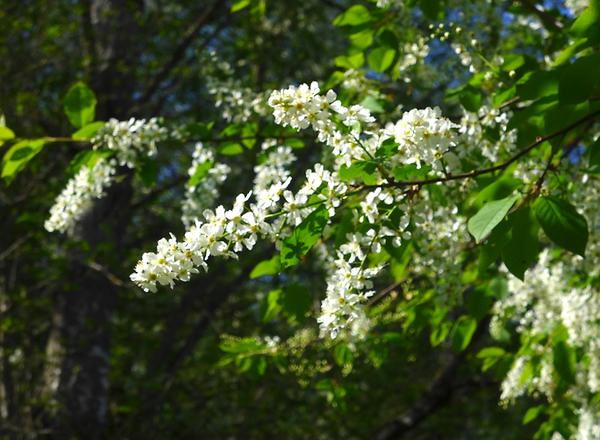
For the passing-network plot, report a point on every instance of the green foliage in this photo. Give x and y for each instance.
(521, 246)
(562, 223)
(267, 267)
(88, 131)
(304, 237)
(463, 331)
(353, 16)
(80, 105)
(202, 170)
(6, 134)
(365, 172)
(171, 366)
(19, 155)
(488, 217)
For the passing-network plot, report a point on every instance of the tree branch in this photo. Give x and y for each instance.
(499, 167)
(179, 51)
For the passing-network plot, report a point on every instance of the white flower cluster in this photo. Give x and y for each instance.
(438, 234)
(545, 302)
(203, 195)
(473, 129)
(302, 107)
(130, 139)
(224, 233)
(425, 137)
(237, 103)
(413, 54)
(78, 196)
(349, 285)
(273, 171)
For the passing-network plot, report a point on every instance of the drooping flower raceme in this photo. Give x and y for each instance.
(272, 211)
(202, 195)
(128, 140)
(78, 196)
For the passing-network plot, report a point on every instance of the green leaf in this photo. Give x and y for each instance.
(586, 25)
(238, 346)
(355, 15)
(488, 217)
(431, 8)
(512, 62)
(463, 332)
(6, 134)
(147, 171)
(532, 414)
(439, 333)
(87, 158)
(80, 105)
(362, 39)
(372, 104)
(470, 98)
(577, 80)
(564, 361)
(266, 267)
(352, 61)
(538, 84)
(200, 172)
(571, 50)
(231, 149)
(360, 171)
(522, 247)
(88, 131)
(239, 5)
(562, 223)
(343, 355)
(490, 356)
(304, 237)
(19, 155)
(499, 188)
(273, 305)
(381, 58)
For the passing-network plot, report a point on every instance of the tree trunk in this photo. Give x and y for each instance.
(86, 310)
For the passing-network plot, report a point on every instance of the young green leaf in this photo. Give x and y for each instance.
(88, 131)
(80, 105)
(201, 171)
(304, 237)
(463, 332)
(266, 267)
(488, 217)
(360, 171)
(355, 15)
(19, 155)
(381, 58)
(6, 134)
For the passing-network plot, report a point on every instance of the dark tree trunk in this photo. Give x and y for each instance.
(87, 309)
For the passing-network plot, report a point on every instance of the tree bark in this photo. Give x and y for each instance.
(85, 311)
